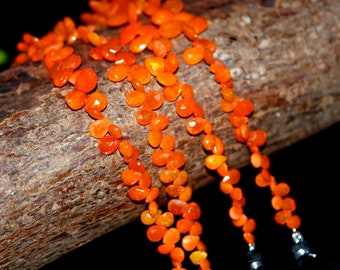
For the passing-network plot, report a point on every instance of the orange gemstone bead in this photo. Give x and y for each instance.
(118, 72)
(212, 162)
(108, 144)
(99, 128)
(86, 80)
(76, 99)
(193, 55)
(155, 233)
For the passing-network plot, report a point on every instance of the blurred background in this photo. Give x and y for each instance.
(309, 166)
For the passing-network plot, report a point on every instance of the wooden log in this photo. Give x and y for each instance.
(57, 192)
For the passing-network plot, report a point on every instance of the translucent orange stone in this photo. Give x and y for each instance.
(168, 176)
(186, 194)
(149, 29)
(244, 107)
(177, 254)
(155, 233)
(140, 73)
(223, 170)
(182, 178)
(197, 256)
(176, 206)
(294, 222)
(174, 190)
(129, 32)
(161, 16)
(256, 159)
(140, 43)
(189, 242)
(261, 181)
(205, 43)
(226, 187)
(185, 107)
(96, 101)
(136, 193)
(233, 176)
(160, 122)
(76, 99)
(118, 73)
(208, 142)
(153, 195)
(165, 248)
(236, 194)
(196, 228)
(135, 98)
(153, 208)
(166, 78)
(147, 218)
(145, 180)
(176, 160)
(192, 211)
(281, 189)
(242, 133)
(165, 219)
(288, 204)
(115, 131)
(212, 162)
(281, 217)
(130, 177)
(155, 138)
(193, 55)
(108, 144)
(218, 148)
(170, 29)
(172, 236)
(145, 116)
(235, 212)
(257, 138)
(125, 57)
(153, 100)
(168, 142)
(249, 225)
(62, 77)
(161, 157)
(199, 23)
(227, 106)
(276, 202)
(125, 148)
(154, 64)
(240, 221)
(195, 125)
(184, 225)
(171, 62)
(249, 238)
(171, 93)
(86, 80)
(189, 31)
(99, 128)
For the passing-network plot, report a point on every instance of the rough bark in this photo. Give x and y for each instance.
(57, 192)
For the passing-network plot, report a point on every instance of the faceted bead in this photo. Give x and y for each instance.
(136, 193)
(147, 218)
(177, 254)
(108, 144)
(172, 236)
(165, 219)
(212, 162)
(156, 232)
(99, 128)
(176, 206)
(192, 211)
(197, 257)
(165, 248)
(184, 225)
(86, 80)
(130, 177)
(189, 242)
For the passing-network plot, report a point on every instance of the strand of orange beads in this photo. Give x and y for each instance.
(62, 64)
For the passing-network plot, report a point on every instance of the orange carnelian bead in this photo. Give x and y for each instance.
(145, 181)
(193, 55)
(108, 144)
(129, 32)
(118, 73)
(86, 80)
(281, 217)
(172, 236)
(249, 238)
(236, 121)
(241, 221)
(125, 148)
(134, 98)
(223, 170)
(212, 162)
(171, 93)
(226, 187)
(130, 177)
(166, 219)
(99, 128)
(155, 137)
(227, 94)
(153, 194)
(148, 29)
(115, 131)
(244, 107)
(235, 212)
(257, 138)
(192, 211)
(168, 176)
(96, 101)
(161, 157)
(137, 193)
(205, 43)
(177, 254)
(176, 160)
(153, 100)
(218, 148)
(153, 208)
(76, 99)
(154, 64)
(145, 116)
(160, 122)
(276, 202)
(288, 204)
(62, 77)
(249, 226)
(177, 207)
(125, 57)
(236, 194)
(194, 125)
(170, 29)
(171, 62)
(140, 43)
(74, 76)
(222, 74)
(261, 181)
(228, 106)
(161, 16)
(197, 256)
(189, 242)
(147, 219)
(196, 228)
(165, 248)
(186, 194)
(155, 233)
(184, 225)
(166, 78)
(256, 159)
(185, 107)
(199, 23)
(281, 189)
(173, 5)
(182, 178)
(174, 190)
(140, 73)
(294, 222)
(233, 176)
(136, 165)
(189, 31)
(242, 133)
(168, 142)
(208, 141)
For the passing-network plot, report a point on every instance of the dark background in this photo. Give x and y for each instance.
(309, 166)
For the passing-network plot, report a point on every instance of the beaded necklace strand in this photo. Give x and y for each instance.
(177, 230)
